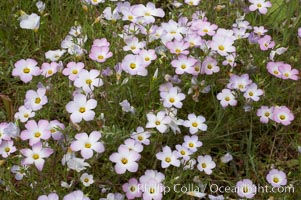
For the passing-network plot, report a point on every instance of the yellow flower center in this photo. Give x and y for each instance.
(26, 70)
(191, 145)
(49, 71)
(133, 189)
(157, 123)
(52, 130)
(183, 66)
(130, 17)
(259, 5)
(286, 75)
(194, 124)
(227, 98)
(140, 138)
(38, 100)
(152, 190)
(6, 149)
(88, 145)
(172, 32)
(147, 14)
(267, 114)
(100, 57)
(26, 115)
(178, 51)
(133, 47)
(204, 165)
(86, 180)
(82, 110)
(275, 72)
(209, 66)
(74, 71)
(147, 59)
(171, 100)
(205, 30)
(197, 68)
(183, 152)
(251, 94)
(37, 134)
(35, 156)
(167, 159)
(282, 117)
(132, 65)
(124, 161)
(245, 189)
(275, 180)
(88, 81)
(221, 47)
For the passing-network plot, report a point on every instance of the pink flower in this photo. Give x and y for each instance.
(226, 98)
(266, 43)
(125, 160)
(260, 5)
(283, 115)
(184, 64)
(87, 143)
(253, 92)
(6, 148)
(273, 68)
(3, 134)
(239, 82)
(49, 69)
(178, 47)
(76, 195)
(134, 65)
(51, 196)
(132, 145)
(148, 56)
(204, 28)
(101, 43)
(133, 44)
(36, 155)
(209, 66)
(36, 131)
(36, 99)
(132, 189)
(141, 136)
(73, 69)
(100, 54)
(288, 73)
(265, 113)
(25, 69)
(24, 113)
(55, 128)
(81, 108)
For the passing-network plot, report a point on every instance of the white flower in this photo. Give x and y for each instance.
(87, 179)
(30, 21)
(159, 121)
(74, 163)
(41, 6)
(168, 157)
(195, 123)
(226, 158)
(126, 106)
(54, 55)
(206, 164)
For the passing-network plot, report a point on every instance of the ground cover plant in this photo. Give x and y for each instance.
(191, 99)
